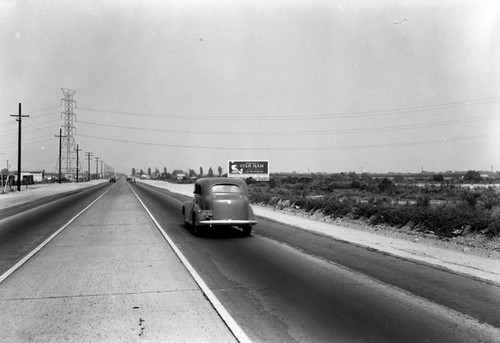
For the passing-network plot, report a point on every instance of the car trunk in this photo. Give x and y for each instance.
(229, 206)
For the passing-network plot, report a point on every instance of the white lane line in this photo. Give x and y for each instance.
(226, 317)
(47, 241)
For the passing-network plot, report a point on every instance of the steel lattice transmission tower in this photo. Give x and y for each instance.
(68, 157)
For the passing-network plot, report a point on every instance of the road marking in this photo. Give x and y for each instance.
(238, 333)
(47, 241)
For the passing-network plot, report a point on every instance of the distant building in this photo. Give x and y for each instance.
(30, 176)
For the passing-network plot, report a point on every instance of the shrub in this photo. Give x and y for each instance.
(470, 197)
(423, 201)
(477, 210)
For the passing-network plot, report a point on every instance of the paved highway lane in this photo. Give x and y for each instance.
(24, 227)
(108, 276)
(284, 284)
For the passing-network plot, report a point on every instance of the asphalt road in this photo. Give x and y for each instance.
(283, 284)
(24, 227)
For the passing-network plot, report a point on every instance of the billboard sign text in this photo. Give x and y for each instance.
(258, 170)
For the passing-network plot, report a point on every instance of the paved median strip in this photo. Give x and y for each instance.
(47, 241)
(239, 334)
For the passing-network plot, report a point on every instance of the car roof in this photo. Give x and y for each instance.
(207, 183)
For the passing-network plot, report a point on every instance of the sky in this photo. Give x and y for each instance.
(310, 86)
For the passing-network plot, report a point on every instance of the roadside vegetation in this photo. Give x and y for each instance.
(445, 208)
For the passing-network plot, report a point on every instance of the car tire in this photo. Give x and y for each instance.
(247, 230)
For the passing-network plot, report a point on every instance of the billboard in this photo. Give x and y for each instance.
(258, 170)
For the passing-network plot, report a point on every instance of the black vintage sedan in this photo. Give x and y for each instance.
(217, 202)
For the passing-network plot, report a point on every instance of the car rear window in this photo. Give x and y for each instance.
(225, 189)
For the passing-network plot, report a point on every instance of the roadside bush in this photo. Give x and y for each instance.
(394, 216)
(461, 211)
(366, 210)
(494, 224)
(470, 197)
(452, 220)
(487, 201)
(423, 201)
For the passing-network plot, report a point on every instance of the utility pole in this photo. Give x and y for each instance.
(101, 166)
(19, 117)
(89, 155)
(97, 168)
(6, 181)
(77, 161)
(60, 148)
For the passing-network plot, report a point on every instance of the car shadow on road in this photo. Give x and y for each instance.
(221, 232)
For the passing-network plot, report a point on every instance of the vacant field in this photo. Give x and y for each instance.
(442, 209)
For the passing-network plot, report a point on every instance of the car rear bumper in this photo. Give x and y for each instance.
(228, 222)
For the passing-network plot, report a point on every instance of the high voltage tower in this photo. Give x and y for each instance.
(68, 157)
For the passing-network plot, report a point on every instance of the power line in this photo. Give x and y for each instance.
(354, 114)
(35, 127)
(345, 147)
(303, 133)
(43, 109)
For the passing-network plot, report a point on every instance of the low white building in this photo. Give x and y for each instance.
(36, 176)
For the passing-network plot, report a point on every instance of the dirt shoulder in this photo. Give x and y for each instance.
(474, 244)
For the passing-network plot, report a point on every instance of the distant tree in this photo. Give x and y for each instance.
(149, 171)
(192, 173)
(133, 171)
(398, 179)
(472, 175)
(366, 177)
(386, 186)
(141, 172)
(165, 170)
(210, 172)
(438, 178)
(201, 171)
(220, 170)
(353, 176)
